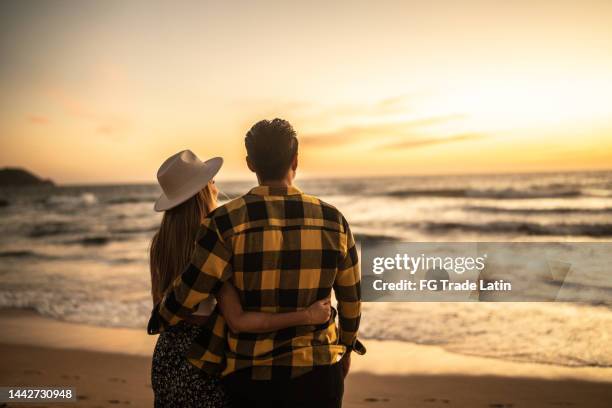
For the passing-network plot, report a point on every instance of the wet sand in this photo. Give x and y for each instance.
(111, 367)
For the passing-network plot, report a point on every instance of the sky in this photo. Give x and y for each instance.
(104, 91)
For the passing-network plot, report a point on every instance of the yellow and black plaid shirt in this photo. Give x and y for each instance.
(282, 250)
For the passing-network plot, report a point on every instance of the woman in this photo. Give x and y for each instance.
(189, 194)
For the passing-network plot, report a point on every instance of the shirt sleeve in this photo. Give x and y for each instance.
(347, 288)
(209, 267)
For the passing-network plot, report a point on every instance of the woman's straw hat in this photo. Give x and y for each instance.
(181, 176)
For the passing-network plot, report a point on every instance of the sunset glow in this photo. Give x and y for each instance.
(105, 91)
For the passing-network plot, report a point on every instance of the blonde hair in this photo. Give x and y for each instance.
(173, 244)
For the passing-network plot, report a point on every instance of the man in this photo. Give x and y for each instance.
(282, 250)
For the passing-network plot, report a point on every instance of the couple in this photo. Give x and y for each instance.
(242, 291)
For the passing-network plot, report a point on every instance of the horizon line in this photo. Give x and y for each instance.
(351, 177)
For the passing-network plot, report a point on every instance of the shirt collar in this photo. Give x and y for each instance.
(275, 191)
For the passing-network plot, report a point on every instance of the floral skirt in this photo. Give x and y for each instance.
(177, 383)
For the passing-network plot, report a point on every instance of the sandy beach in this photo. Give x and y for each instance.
(110, 367)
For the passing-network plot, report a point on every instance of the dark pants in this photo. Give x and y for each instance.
(323, 387)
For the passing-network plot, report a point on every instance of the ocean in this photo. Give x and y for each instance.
(79, 254)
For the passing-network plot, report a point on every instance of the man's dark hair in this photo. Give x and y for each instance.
(271, 147)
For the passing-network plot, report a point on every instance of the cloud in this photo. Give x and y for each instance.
(38, 120)
(394, 103)
(70, 105)
(106, 129)
(314, 111)
(420, 142)
(356, 133)
(349, 112)
(113, 127)
(105, 124)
